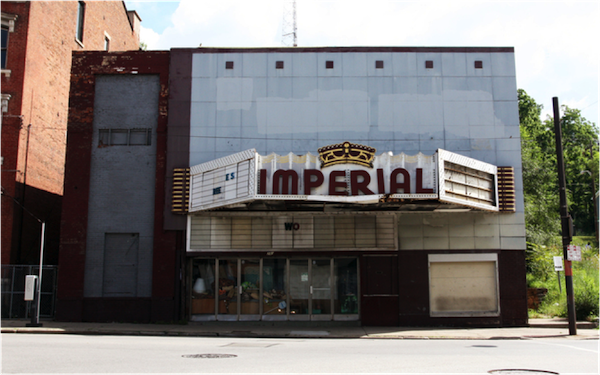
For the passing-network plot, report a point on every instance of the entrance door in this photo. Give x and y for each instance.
(323, 289)
(299, 283)
(320, 289)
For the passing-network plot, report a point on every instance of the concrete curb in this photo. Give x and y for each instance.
(538, 329)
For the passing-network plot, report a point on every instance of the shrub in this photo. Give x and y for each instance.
(586, 299)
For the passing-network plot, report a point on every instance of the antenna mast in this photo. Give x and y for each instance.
(289, 27)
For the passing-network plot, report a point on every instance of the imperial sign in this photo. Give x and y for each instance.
(343, 172)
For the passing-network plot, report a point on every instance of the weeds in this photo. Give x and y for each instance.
(541, 274)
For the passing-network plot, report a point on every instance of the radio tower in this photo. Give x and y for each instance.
(289, 30)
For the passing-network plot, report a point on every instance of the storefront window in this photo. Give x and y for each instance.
(274, 287)
(250, 284)
(232, 289)
(346, 276)
(203, 291)
(228, 291)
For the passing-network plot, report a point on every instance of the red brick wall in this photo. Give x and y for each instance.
(39, 58)
(10, 136)
(52, 28)
(11, 121)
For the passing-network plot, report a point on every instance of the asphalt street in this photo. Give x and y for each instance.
(65, 353)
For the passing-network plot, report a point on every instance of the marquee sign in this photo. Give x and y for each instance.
(343, 173)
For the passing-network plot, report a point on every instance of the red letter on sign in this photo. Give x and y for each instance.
(308, 183)
(333, 184)
(356, 186)
(395, 185)
(262, 181)
(420, 189)
(380, 181)
(286, 175)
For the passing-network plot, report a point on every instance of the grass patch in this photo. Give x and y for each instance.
(541, 274)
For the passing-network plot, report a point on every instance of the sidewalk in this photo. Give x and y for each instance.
(538, 328)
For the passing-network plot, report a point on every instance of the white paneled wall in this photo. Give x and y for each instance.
(288, 232)
(460, 231)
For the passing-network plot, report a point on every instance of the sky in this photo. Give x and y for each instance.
(557, 47)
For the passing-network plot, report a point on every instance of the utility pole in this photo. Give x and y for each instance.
(565, 219)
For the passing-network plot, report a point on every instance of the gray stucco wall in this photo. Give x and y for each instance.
(122, 182)
(403, 107)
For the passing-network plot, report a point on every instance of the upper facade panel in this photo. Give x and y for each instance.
(411, 100)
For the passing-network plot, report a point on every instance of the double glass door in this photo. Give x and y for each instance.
(272, 289)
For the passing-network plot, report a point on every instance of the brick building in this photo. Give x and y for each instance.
(372, 185)
(38, 38)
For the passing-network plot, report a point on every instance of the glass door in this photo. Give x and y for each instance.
(299, 294)
(320, 289)
(346, 294)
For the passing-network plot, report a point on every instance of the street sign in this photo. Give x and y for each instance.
(558, 264)
(30, 284)
(574, 253)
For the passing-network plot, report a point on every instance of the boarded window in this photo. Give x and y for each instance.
(463, 287)
(125, 137)
(120, 264)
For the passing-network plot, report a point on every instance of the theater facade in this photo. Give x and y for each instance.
(377, 186)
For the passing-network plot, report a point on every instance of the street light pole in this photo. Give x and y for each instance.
(35, 321)
(39, 285)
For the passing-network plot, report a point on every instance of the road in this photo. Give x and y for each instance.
(61, 353)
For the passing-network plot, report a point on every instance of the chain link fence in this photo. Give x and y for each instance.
(13, 291)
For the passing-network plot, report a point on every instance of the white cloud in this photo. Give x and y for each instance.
(150, 37)
(223, 24)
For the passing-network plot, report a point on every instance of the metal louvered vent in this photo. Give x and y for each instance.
(181, 188)
(506, 189)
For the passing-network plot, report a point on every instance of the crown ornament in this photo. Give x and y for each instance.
(346, 153)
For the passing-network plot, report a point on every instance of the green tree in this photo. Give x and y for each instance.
(542, 221)
(580, 147)
(540, 179)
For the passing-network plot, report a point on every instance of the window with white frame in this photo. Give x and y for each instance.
(106, 41)
(8, 26)
(4, 45)
(80, 19)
